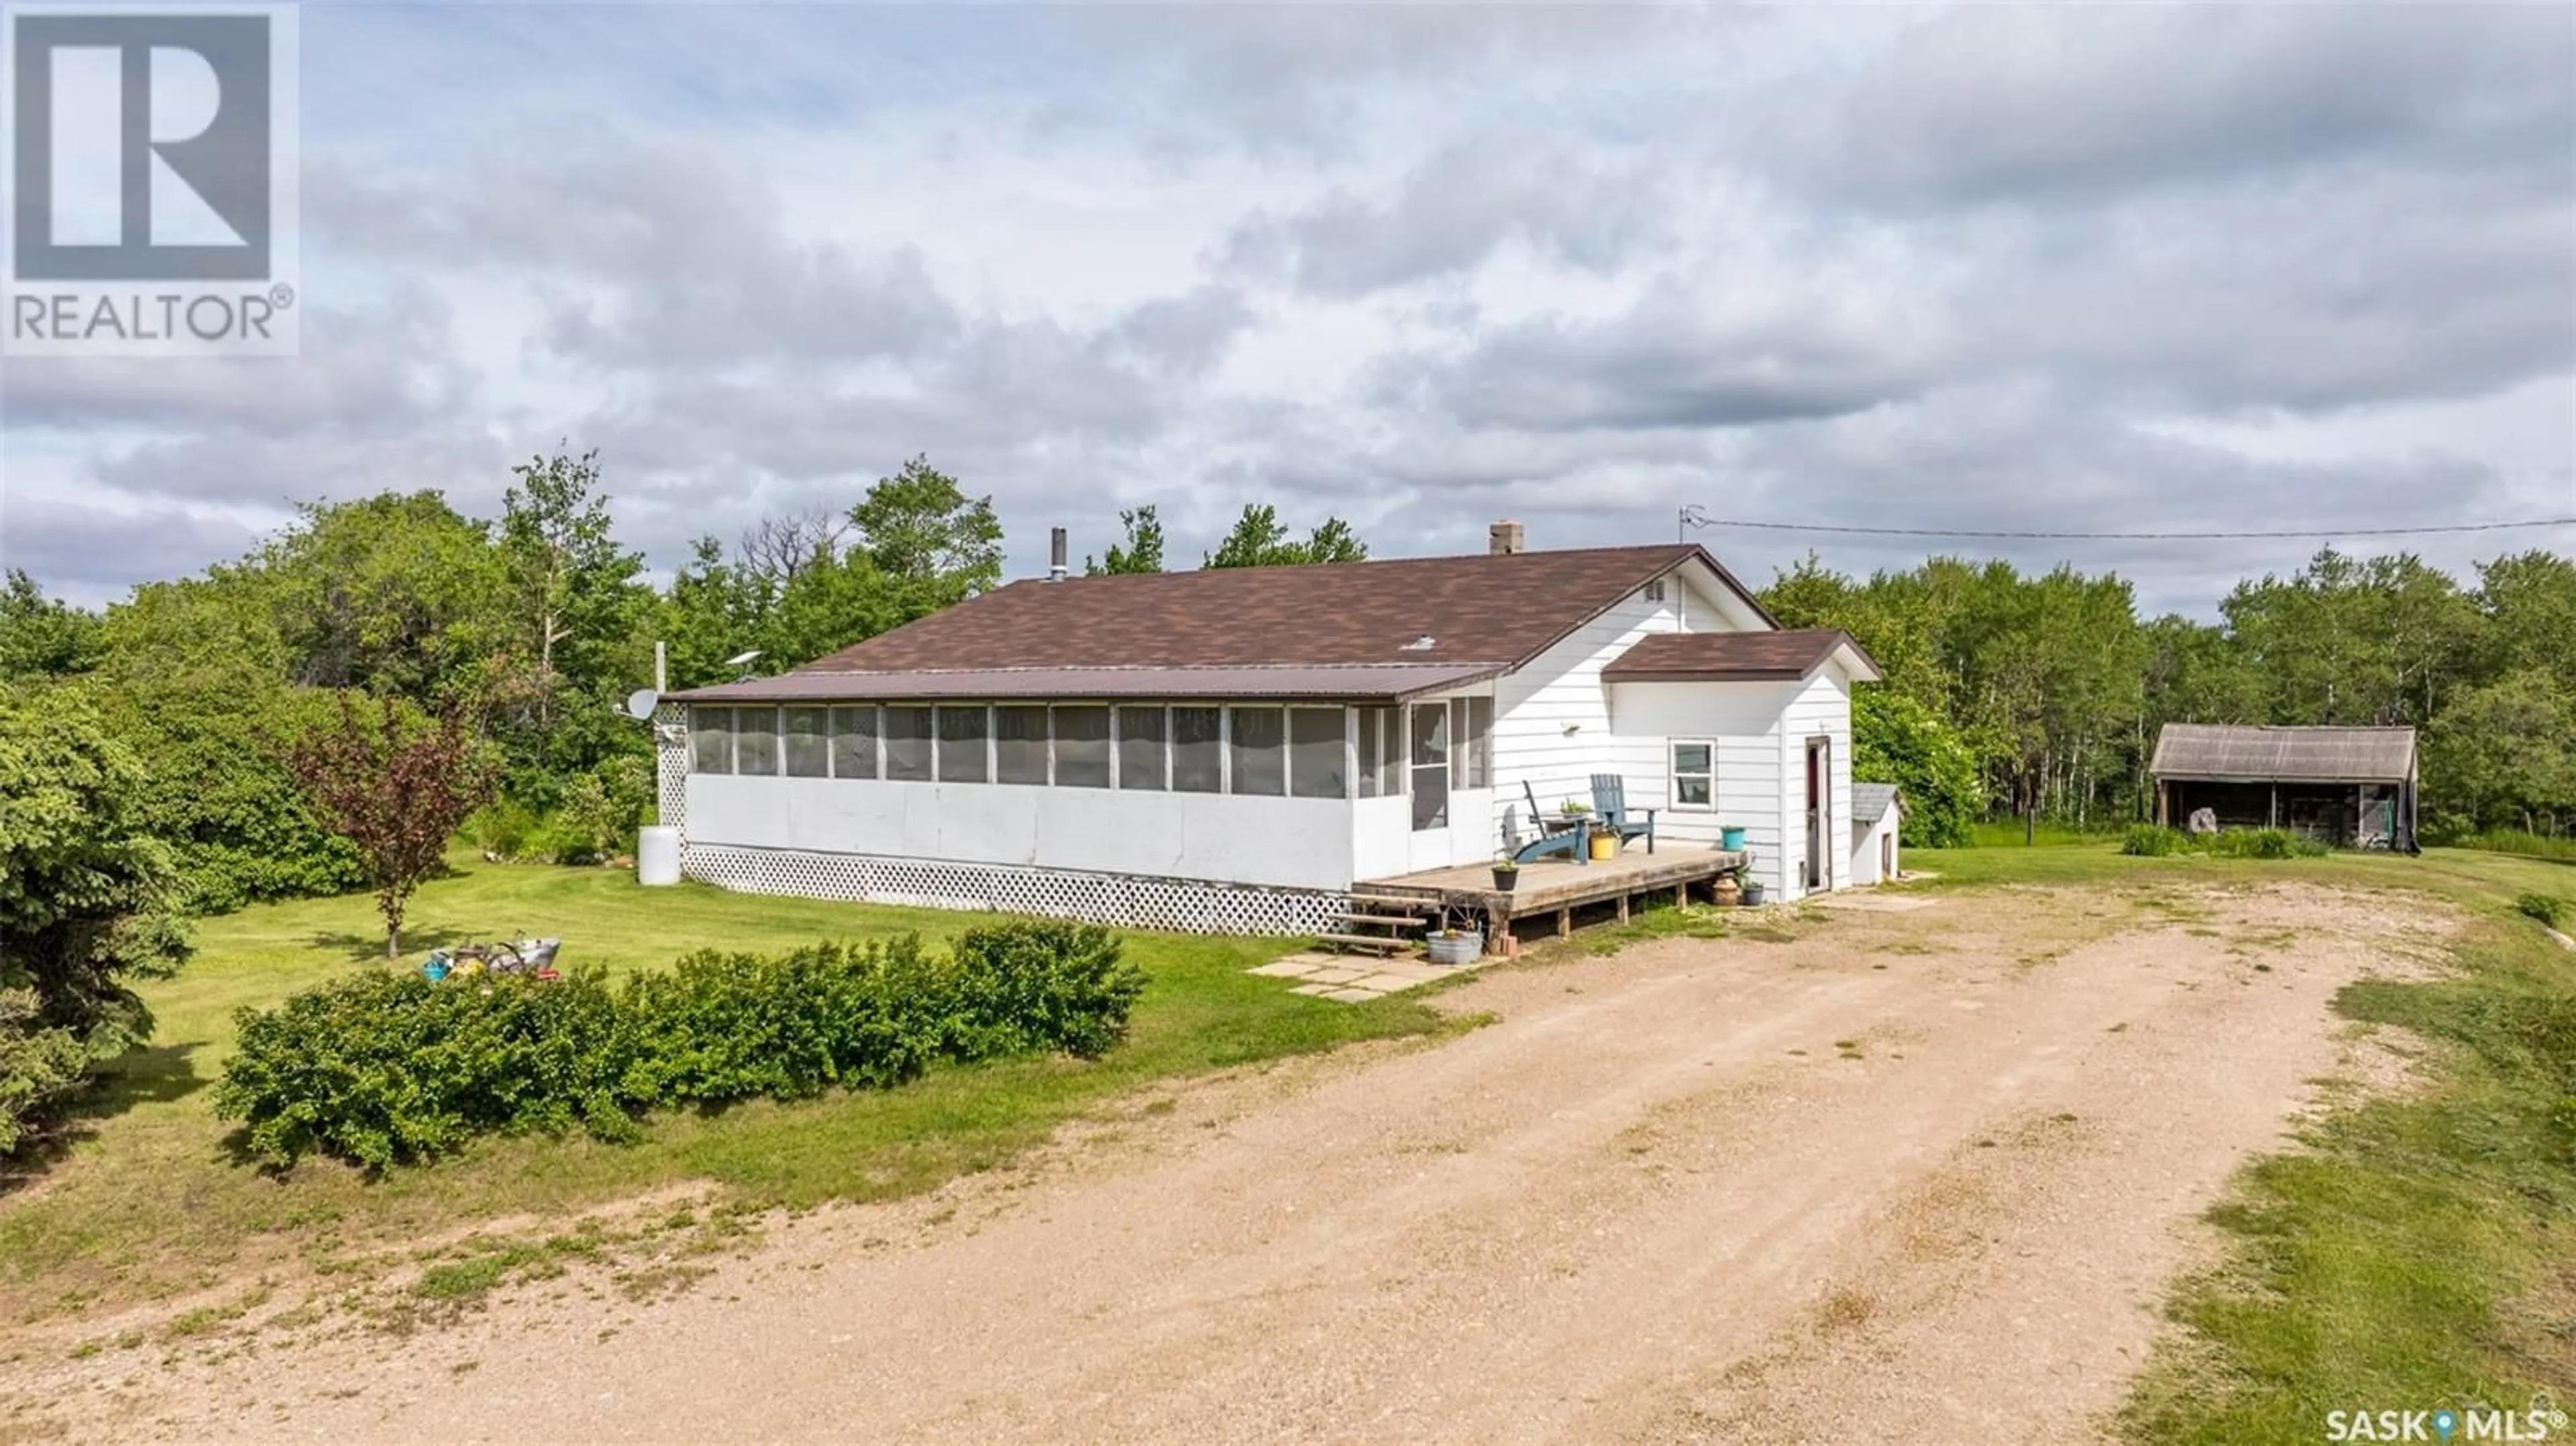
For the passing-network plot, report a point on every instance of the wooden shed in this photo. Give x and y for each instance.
(2350, 786)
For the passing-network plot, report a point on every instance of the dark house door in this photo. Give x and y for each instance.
(1820, 811)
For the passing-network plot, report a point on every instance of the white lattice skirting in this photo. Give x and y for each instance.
(1182, 905)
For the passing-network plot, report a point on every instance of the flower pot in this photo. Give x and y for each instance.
(1505, 878)
(1726, 891)
(1752, 892)
(1605, 846)
(1731, 838)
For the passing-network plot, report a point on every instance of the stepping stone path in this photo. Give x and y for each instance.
(1352, 979)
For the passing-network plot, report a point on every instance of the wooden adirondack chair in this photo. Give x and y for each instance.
(1610, 802)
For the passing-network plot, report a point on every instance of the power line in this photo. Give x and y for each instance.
(1692, 516)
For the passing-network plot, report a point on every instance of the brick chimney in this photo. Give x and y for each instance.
(1505, 538)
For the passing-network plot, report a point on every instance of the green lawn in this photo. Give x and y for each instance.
(2416, 1251)
(149, 1201)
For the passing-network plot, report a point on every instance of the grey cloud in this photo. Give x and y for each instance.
(468, 464)
(91, 554)
(386, 366)
(1988, 102)
(1293, 78)
(661, 258)
(1185, 334)
(1724, 357)
(1456, 209)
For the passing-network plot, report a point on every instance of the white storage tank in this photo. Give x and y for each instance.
(657, 856)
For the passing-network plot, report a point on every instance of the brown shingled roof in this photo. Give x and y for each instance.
(1480, 608)
(1731, 657)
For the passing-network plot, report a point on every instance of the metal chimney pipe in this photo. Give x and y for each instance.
(1055, 556)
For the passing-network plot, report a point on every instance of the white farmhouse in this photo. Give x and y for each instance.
(1244, 750)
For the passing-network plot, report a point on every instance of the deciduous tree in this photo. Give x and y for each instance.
(396, 793)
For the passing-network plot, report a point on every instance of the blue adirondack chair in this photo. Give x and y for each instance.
(1569, 842)
(1610, 803)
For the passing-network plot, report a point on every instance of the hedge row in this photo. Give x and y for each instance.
(387, 1068)
(2154, 840)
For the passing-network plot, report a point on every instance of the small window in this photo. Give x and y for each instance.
(1694, 774)
(854, 743)
(964, 744)
(755, 741)
(711, 740)
(1082, 747)
(907, 744)
(1655, 591)
(809, 743)
(1257, 751)
(1198, 750)
(1140, 748)
(1019, 745)
(1471, 727)
(1318, 758)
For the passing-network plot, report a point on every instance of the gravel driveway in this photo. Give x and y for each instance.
(1910, 1175)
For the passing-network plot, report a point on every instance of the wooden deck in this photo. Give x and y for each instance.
(1557, 887)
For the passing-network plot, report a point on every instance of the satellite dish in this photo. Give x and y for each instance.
(641, 703)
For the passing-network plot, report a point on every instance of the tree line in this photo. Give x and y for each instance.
(2056, 685)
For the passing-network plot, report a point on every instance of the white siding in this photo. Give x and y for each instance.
(1303, 843)
(1743, 720)
(1865, 839)
(1552, 719)
(1822, 708)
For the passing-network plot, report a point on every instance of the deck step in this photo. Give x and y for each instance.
(1405, 902)
(1365, 941)
(1401, 921)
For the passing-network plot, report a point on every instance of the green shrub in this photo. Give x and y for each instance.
(2264, 843)
(39, 1067)
(388, 1069)
(725, 1027)
(2542, 907)
(2153, 840)
(1030, 988)
(502, 828)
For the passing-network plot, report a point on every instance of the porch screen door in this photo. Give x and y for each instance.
(1430, 766)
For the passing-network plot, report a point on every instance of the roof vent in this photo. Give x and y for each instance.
(1422, 644)
(1055, 556)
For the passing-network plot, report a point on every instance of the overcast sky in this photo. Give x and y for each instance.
(2111, 269)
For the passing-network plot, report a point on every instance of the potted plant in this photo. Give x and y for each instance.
(1574, 808)
(1507, 872)
(1752, 890)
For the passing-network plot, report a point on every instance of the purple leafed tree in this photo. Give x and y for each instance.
(397, 794)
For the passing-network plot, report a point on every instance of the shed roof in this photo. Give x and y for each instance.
(1356, 684)
(1482, 613)
(2243, 753)
(1870, 801)
(1737, 657)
